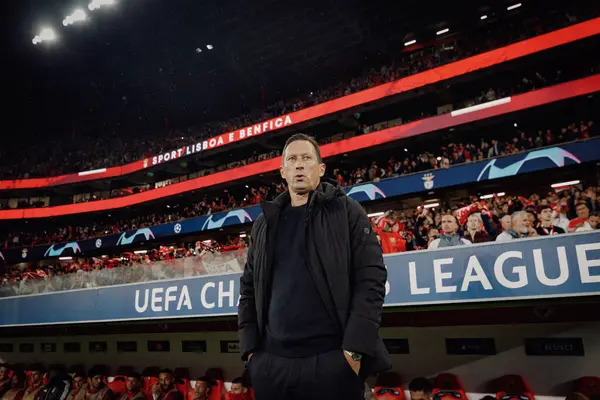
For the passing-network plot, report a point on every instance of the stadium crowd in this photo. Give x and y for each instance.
(499, 218)
(536, 79)
(55, 157)
(451, 153)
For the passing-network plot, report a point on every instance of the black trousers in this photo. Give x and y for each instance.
(325, 376)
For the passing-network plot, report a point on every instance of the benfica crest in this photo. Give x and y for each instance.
(428, 181)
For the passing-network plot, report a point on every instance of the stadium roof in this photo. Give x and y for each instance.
(138, 63)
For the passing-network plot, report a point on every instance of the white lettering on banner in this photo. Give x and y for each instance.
(229, 293)
(540, 271)
(475, 273)
(412, 273)
(205, 303)
(156, 299)
(520, 270)
(137, 301)
(169, 297)
(226, 138)
(585, 264)
(440, 276)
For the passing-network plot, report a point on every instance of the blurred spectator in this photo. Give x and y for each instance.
(203, 388)
(581, 223)
(17, 387)
(420, 389)
(79, 382)
(475, 231)
(5, 382)
(36, 384)
(165, 388)
(134, 387)
(450, 236)
(520, 228)
(545, 226)
(96, 388)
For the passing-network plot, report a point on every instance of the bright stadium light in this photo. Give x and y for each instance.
(46, 35)
(431, 205)
(410, 42)
(483, 17)
(376, 214)
(77, 16)
(442, 31)
(564, 184)
(210, 46)
(509, 8)
(96, 4)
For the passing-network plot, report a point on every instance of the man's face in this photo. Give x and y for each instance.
(583, 212)
(473, 223)
(3, 373)
(519, 223)
(36, 377)
(201, 390)
(546, 215)
(96, 381)
(301, 168)
(78, 382)
(237, 388)
(594, 221)
(449, 225)
(165, 381)
(419, 395)
(133, 384)
(530, 219)
(506, 222)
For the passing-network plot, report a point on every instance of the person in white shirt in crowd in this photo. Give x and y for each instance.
(506, 222)
(450, 237)
(560, 217)
(520, 228)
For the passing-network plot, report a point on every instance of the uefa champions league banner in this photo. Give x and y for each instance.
(557, 266)
(501, 167)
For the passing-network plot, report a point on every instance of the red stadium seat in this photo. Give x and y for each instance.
(388, 386)
(119, 384)
(588, 385)
(149, 382)
(448, 387)
(183, 385)
(513, 387)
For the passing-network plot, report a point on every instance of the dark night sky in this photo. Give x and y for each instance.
(136, 63)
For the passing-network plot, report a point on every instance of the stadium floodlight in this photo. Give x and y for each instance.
(513, 6)
(77, 16)
(410, 42)
(65, 258)
(376, 214)
(210, 46)
(431, 205)
(140, 251)
(96, 4)
(483, 17)
(46, 35)
(442, 31)
(564, 184)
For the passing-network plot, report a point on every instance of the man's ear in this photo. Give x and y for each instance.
(321, 169)
(281, 172)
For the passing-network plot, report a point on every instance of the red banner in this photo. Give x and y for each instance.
(536, 98)
(452, 70)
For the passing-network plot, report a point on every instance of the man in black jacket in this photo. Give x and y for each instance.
(312, 290)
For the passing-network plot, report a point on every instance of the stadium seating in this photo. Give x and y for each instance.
(588, 385)
(388, 386)
(513, 387)
(448, 387)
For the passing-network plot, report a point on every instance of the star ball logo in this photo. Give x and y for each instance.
(428, 181)
(98, 243)
(177, 228)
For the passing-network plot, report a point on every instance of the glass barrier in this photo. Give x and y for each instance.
(208, 263)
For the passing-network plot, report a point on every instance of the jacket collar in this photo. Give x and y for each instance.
(326, 191)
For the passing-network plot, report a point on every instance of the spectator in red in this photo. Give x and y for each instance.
(581, 224)
(96, 388)
(165, 387)
(203, 388)
(134, 387)
(239, 390)
(545, 226)
(78, 385)
(475, 232)
(17, 387)
(450, 236)
(36, 384)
